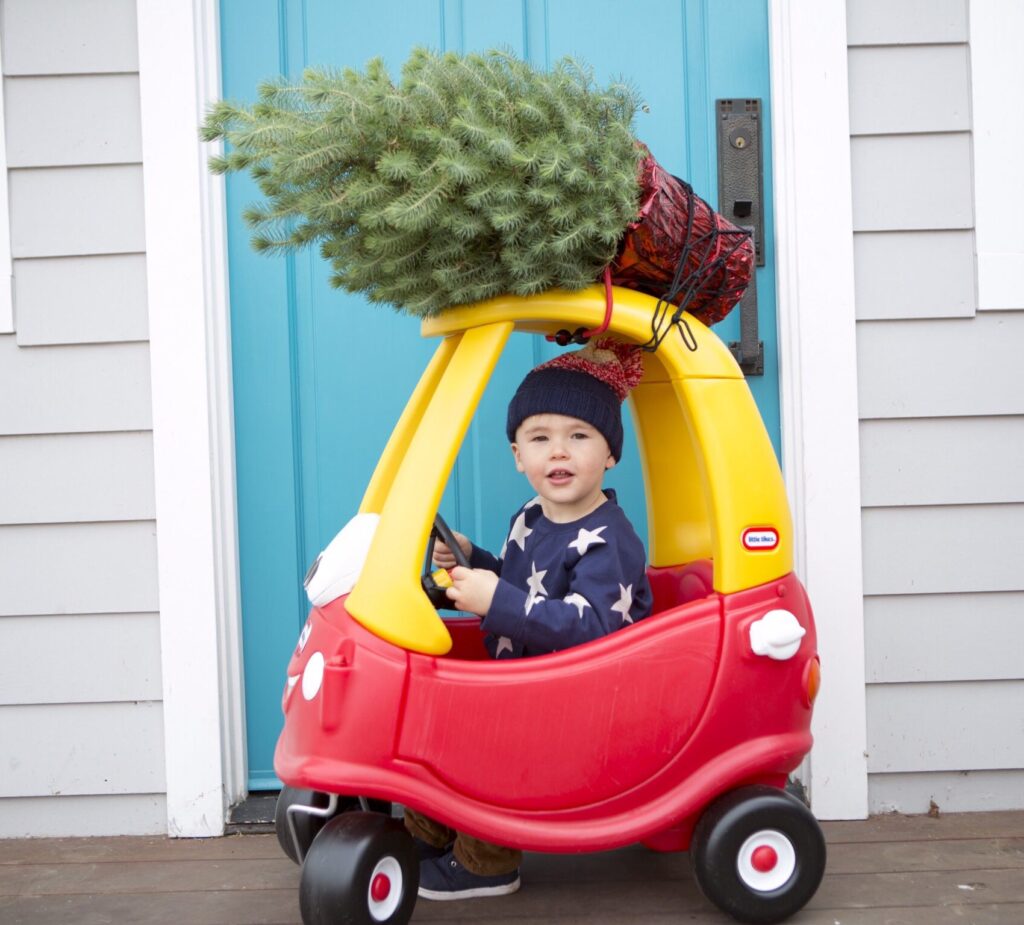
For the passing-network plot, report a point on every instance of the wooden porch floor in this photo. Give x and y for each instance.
(889, 870)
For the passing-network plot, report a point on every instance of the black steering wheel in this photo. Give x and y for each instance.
(433, 590)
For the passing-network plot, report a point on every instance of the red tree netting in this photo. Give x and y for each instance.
(683, 251)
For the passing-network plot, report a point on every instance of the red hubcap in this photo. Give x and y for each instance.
(764, 859)
(380, 888)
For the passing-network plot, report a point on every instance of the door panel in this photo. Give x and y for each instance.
(320, 377)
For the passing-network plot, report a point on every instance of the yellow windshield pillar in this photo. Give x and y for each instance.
(752, 533)
(388, 599)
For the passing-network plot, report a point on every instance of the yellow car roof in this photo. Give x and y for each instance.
(713, 485)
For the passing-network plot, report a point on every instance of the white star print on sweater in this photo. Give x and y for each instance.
(564, 584)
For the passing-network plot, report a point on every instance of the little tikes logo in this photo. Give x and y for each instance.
(760, 539)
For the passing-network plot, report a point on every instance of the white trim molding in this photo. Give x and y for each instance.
(179, 72)
(818, 362)
(997, 79)
(6, 263)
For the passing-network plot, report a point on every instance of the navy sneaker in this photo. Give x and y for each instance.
(426, 851)
(446, 878)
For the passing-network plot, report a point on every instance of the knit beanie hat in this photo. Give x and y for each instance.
(588, 384)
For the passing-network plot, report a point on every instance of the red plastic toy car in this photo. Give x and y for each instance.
(712, 694)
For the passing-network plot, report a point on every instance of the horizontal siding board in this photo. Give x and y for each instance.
(914, 274)
(949, 367)
(83, 816)
(901, 22)
(69, 36)
(909, 182)
(900, 89)
(79, 749)
(952, 791)
(81, 300)
(937, 550)
(64, 211)
(944, 637)
(964, 460)
(74, 389)
(75, 478)
(64, 121)
(89, 658)
(78, 568)
(964, 726)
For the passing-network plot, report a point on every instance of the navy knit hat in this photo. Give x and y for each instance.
(588, 384)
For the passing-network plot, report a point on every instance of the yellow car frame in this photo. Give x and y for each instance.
(713, 486)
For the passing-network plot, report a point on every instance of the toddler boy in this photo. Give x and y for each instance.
(572, 568)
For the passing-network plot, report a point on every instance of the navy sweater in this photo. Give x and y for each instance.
(562, 584)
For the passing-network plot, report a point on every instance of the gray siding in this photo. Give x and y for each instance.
(81, 730)
(942, 429)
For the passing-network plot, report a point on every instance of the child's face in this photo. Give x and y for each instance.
(564, 460)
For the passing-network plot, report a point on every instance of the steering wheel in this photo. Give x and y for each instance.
(433, 590)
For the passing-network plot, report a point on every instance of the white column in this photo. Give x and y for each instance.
(192, 425)
(818, 362)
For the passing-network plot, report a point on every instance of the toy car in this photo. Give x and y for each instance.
(713, 692)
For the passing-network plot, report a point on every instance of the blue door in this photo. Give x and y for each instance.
(320, 377)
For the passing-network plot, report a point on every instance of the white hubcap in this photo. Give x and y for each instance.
(384, 907)
(766, 860)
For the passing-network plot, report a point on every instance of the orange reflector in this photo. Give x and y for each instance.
(812, 681)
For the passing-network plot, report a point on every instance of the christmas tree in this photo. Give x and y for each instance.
(475, 175)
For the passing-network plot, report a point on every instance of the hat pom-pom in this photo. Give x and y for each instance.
(619, 365)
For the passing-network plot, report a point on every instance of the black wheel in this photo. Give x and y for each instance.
(307, 825)
(361, 869)
(758, 854)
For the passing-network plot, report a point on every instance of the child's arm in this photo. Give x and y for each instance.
(608, 589)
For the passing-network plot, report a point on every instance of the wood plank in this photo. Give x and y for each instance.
(904, 857)
(78, 568)
(898, 89)
(914, 274)
(156, 849)
(90, 658)
(891, 826)
(84, 388)
(74, 478)
(907, 182)
(951, 791)
(62, 211)
(82, 749)
(81, 300)
(69, 121)
(968, 725)
(961, 460)
(227, 907)
(902, 22)
(933, 550)
(69, 36)
(25, 820)
(907, 637)
(947, 368)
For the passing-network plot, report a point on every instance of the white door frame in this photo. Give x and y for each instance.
(190, 349)
(818, 381)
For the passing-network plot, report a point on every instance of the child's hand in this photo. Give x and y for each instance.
(444, 558)
(472, 589)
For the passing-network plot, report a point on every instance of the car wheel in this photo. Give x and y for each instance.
(758, 854)
(361, 869)
(306, 825)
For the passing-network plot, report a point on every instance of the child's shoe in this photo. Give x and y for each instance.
(446, 878)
